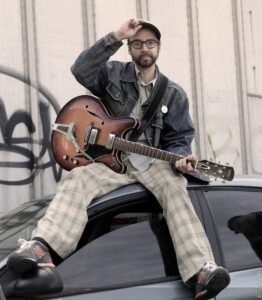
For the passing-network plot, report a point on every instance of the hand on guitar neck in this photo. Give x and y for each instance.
(186, 164)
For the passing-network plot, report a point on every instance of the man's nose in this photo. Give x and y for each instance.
(144, 47)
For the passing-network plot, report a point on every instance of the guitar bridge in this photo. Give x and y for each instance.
(68, 131)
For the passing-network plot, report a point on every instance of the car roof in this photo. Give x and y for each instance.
(137, 190)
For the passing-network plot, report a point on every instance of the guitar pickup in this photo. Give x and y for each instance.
(93, 135)
(110, 141)
(88, 130)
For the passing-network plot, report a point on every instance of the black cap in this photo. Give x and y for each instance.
(151, 27)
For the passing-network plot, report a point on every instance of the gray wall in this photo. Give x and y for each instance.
(212, 48)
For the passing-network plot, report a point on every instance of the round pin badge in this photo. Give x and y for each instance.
(164, 109)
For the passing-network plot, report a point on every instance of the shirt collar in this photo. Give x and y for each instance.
(140, 77)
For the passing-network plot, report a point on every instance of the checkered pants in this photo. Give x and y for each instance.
(66, 217)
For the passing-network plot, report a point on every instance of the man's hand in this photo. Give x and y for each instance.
(128, 29)
(184, 165)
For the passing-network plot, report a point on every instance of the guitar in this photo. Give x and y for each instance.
(85, 133)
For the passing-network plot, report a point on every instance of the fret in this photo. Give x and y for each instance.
(144, 148)
(136, 148)
(159, 154)
(166, 156)
(126, 146)
(151, 152)
(154, 153)
(147, 152)
(172, 158)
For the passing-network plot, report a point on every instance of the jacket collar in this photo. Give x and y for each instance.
(129, 73)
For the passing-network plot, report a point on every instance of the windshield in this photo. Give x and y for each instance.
(19, 224)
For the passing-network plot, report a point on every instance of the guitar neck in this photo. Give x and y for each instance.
(133, 147)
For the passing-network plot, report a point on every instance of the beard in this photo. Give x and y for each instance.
(145, 60)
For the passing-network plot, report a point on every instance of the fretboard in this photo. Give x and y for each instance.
(133, 147)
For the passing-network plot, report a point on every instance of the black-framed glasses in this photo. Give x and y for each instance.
(138, 44)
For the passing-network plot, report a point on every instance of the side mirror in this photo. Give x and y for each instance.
(42, 281)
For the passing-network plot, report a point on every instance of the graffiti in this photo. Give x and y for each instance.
(221, 146)
(225, 148)
(19, 145)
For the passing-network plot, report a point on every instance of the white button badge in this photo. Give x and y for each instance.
(164, 109)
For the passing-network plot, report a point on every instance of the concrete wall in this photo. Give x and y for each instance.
(212, 48)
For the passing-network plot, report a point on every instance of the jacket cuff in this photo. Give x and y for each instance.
(111, 40)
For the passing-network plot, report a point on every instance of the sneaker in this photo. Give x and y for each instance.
(28, 257)
(211, 280)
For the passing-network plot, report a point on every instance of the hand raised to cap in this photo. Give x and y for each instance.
(128, 29)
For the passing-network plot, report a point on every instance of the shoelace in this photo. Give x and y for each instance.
(24, 244)
(210, 266)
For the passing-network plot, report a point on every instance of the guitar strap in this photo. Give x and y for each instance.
(154, 102)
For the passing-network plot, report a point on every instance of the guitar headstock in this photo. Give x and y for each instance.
(216, 170)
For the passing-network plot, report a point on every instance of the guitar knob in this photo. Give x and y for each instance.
(65, 157)
(75, 162)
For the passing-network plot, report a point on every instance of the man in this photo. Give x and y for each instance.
(124, 89)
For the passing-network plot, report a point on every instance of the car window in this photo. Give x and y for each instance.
(19, 225)
(137, 248)
(238, 219)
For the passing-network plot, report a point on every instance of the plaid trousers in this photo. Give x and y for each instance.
(65, 219)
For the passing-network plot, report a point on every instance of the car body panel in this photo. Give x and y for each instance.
(246, 282)
(164, 291)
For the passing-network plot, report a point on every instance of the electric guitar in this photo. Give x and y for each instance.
(85, 133)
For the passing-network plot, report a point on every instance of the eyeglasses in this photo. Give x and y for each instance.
(138, 44)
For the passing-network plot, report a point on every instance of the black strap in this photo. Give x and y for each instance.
(154, 101)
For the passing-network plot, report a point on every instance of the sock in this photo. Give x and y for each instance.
(55, 257)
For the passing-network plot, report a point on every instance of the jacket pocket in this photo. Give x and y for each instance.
(115, 92)
(114, 99)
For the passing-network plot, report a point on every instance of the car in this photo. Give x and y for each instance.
(126, 251)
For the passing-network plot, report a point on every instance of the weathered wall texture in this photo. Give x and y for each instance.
(212, 48)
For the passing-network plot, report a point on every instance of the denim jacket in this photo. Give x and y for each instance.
(115, 83)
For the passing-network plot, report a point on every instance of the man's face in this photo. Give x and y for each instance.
(144, 57)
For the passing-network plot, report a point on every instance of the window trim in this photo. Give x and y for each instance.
(135, 283)
(211, 228)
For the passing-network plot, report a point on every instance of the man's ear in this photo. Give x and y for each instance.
(159, 48)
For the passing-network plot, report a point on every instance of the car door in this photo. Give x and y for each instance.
(233, 221)
(129, 255)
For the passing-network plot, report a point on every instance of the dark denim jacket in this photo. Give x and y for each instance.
(115, 83)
